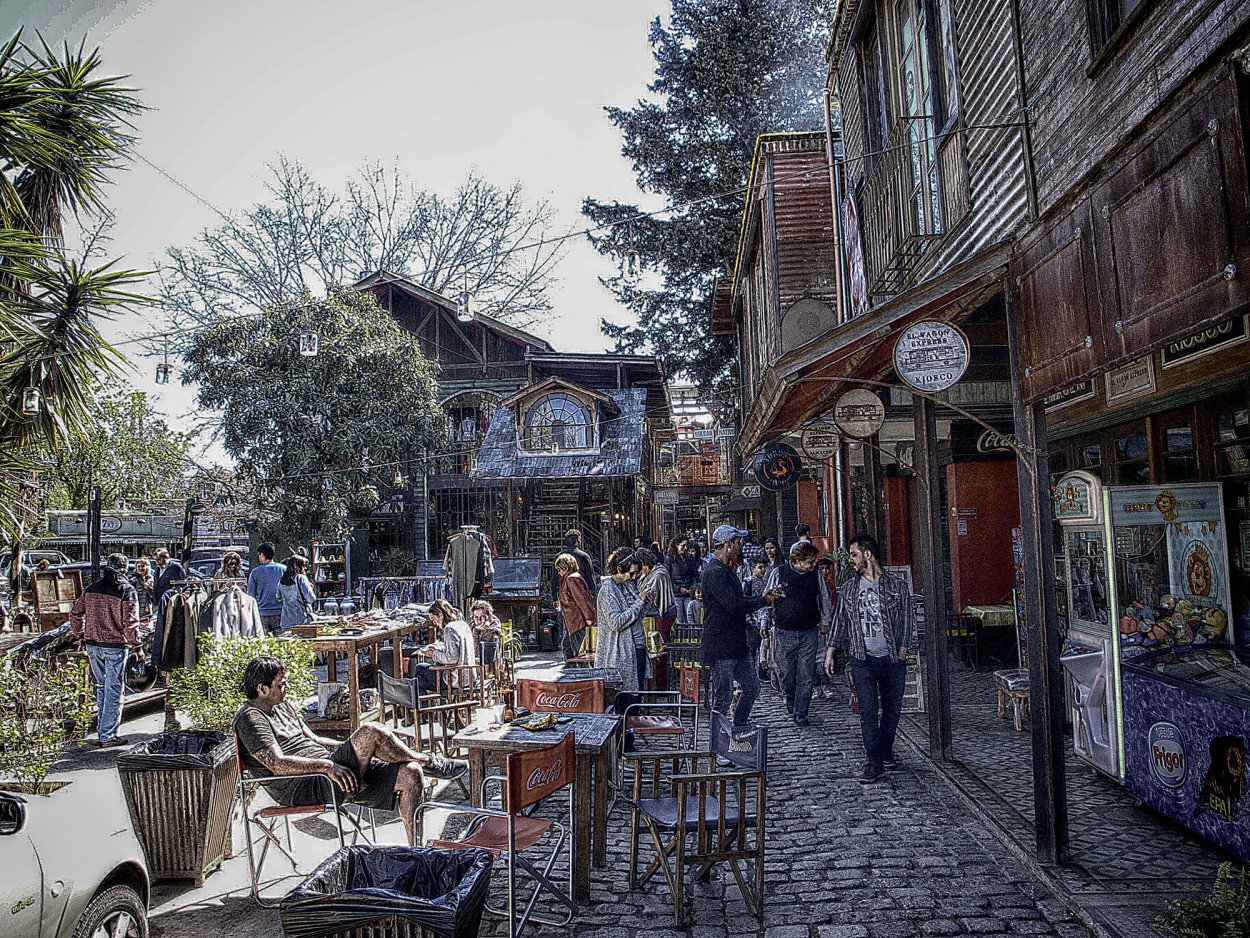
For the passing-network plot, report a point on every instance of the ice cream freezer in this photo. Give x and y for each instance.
(1186, 722)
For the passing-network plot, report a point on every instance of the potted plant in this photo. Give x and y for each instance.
(43, 710)
(180, 787)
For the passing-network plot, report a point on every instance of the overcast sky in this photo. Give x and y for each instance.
(512, 89)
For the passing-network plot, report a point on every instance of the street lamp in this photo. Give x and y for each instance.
(464, 308)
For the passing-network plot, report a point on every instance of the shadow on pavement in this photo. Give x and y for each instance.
(237, 916)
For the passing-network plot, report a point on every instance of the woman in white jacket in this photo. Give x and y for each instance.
(622, 644)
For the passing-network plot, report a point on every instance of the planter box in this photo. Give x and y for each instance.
(180, 789)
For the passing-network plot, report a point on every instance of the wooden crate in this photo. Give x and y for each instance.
(55, 594)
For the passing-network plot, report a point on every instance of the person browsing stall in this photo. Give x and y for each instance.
(456, 648)
(262, 586)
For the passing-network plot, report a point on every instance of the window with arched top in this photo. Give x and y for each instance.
(557, 422)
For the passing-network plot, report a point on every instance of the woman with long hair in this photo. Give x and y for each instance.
(773, 558)
(145, 585)
(576, 603)
(231, 567)
(454, 649)
(622, 644)
(487, 630)
(295, 593)
(683, 574)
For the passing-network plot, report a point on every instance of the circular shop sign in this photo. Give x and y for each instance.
(859, 413)
(777, 467)
(821, 441)
(1169, 762)
(931, 356)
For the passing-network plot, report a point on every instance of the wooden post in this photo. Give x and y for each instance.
(1046, 695)
(928, 559)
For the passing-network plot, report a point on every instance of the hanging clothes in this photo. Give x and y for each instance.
(233, 612)
(468, 562)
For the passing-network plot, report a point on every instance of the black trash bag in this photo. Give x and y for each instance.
(185, 749)
(357, 886)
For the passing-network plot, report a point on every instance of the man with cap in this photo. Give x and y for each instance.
(106, 618)
(725, 611)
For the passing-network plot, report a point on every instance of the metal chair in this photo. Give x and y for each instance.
(509, 831)
(699, 814)
(267, 818)
(561, 696)
(665, 712)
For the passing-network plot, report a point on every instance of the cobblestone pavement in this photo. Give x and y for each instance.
(1127, 861)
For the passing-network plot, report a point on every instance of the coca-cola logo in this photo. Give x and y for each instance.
(566, 701)
(544, 775)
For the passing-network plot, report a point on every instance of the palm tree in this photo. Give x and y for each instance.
(62, 128)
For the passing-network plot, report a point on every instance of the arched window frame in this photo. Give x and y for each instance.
(549, 408)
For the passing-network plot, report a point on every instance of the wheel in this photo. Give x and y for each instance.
(115, 913)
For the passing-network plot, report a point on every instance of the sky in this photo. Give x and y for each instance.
(513, 90)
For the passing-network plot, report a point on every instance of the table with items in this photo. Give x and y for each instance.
(344, 644)
(595, 736)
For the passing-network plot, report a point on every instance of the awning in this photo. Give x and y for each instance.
(806, 382)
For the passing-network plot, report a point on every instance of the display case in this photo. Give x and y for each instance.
(331, 569)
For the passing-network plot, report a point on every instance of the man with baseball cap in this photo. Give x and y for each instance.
(725, 611)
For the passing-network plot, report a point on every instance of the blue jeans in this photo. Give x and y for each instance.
(108, 667)
(724, 672)
(879, 681)
(796, 657)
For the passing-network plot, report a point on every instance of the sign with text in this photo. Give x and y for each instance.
(1077, 392)
(777, 467)
(664, 496)
(1134, 380)
(859, 413)
(931, 356)
(821, 441)
(1232, 332)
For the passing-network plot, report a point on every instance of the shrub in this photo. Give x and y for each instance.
(43, 709)
(211, 693)
(1219, 911)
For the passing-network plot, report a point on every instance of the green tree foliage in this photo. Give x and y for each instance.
(126, 449)
(307, 238)
(318, 434)
(63, 127)
(726, 72)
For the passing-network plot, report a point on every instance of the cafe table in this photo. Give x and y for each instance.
(595, 738)
(347, 644)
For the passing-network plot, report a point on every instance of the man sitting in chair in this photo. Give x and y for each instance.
(371, 768)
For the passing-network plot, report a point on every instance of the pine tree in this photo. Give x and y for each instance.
(726, 72)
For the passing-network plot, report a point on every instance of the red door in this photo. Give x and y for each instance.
(984, 507)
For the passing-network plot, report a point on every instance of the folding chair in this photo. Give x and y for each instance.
(509, 831)
(664, 712)
(561, 696)
(267, 818)
(698, 818)
(426, 711)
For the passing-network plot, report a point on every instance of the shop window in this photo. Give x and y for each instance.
(1232, 440)
(1180, 457)
(556, 423)
(1132, 458)
(1091, 457)
(1109, 19)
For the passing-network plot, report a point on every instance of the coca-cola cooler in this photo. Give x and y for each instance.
(1186, 717)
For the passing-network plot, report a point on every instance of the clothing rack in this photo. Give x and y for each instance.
(408, 589)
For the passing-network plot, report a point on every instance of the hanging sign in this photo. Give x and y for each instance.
(821, 441)
(931, 356)
(859, 413)
(664, 496)
(777, 467)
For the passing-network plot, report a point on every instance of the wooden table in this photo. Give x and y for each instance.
(595, 743)
(350, 646)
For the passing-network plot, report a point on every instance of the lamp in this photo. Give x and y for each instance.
(464, 308)
(30, 402)
(308, 343)
(631, 267)
(162, 373)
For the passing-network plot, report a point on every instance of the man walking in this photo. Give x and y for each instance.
(106, 618)
(799, 616)
(873, 624)
(262, 586)
(725, 611)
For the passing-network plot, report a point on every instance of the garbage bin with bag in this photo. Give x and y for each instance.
(180, 789)
(390, 892)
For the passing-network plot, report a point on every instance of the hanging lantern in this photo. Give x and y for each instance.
(308, 342)
(163, 371)
(399, 479)
(631, 267)
(464, 305)
(30, 402)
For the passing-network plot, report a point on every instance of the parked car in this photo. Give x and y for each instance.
(30, 561)
(93, 884)
(207, 567)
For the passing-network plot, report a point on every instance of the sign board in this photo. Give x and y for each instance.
(664, 496)
(1232, 332)
(777, 467)
(1077, 392)
(859, 413)
(1134, 380)
(1078, 499)
(821, 441)
(747, 491)
(931, 356)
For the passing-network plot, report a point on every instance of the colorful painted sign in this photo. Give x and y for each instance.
(1078, 498)
(777, 467)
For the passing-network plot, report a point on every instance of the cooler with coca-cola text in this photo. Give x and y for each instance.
(561, 697)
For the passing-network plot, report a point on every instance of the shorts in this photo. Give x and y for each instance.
(377, 788)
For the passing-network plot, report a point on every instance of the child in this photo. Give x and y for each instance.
(695, 608)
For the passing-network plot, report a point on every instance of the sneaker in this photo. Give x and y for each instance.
(870, 774)
(890, 761)
(441, 767)
(802, 721)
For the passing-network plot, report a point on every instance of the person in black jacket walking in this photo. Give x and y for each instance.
(725, 611)
(799, 617)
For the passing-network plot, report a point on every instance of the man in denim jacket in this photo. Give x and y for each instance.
(873, 624)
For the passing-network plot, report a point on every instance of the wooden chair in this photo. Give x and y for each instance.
(511, 830)
(699, 814)
(266, 820)
(962, 636)
(561, 697)
(426, 712)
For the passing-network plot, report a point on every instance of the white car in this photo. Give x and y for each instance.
(69, 868)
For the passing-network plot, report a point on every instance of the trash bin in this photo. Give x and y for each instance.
(180, 789)
(382, 892)
(549, 630)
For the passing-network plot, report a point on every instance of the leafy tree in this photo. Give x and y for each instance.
(317, 434)
(62, 128)
(127, 450)
(726, 72)
(308, 239)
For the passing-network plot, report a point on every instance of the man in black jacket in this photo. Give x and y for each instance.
(799, 617)
(725, 610)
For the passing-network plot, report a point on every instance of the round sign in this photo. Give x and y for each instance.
(821, 441)
(859, 413)
(1169, 763)
(777, 467)
(931, 356)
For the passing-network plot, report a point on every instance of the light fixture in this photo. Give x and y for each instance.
(464, 308)
(399, 478)
(631, 267)
(308, 343)
(162, 373)
(30, 402)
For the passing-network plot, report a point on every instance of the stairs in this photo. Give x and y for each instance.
(553, 509)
